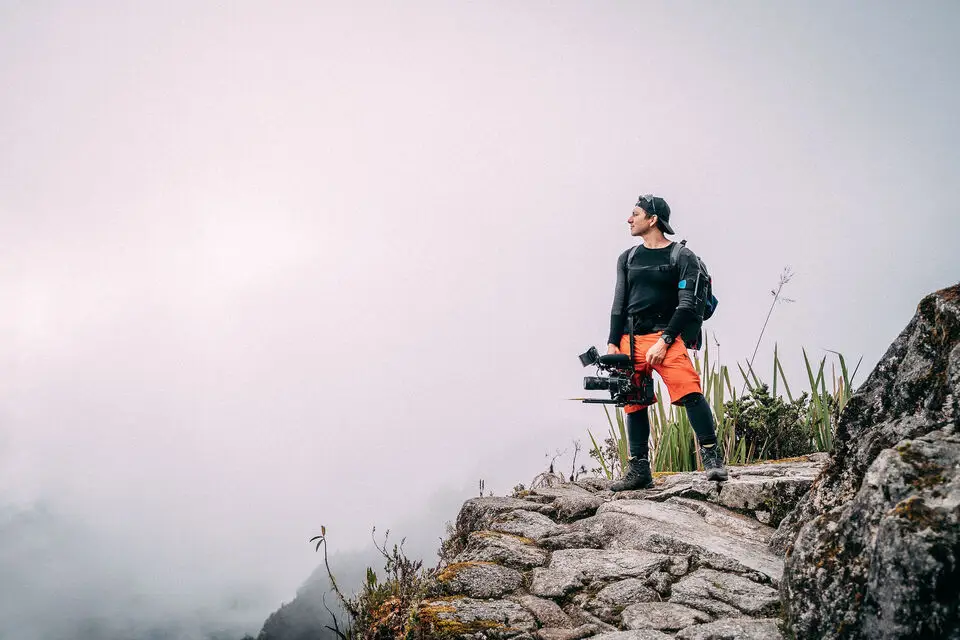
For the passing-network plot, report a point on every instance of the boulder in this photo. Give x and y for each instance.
(666, 616)
(526, 524)
(547, 612)
(725, 595)
(477, 514)
(577, 633)
(733, 629)
(574, 507)
(578, 538)
(675, 528)
(730, 522)
(509, 550)
(571, 569)
(480, 579)
(614, 598)
(464, 616)
(872, 548)
(886, 564)
(635, 634)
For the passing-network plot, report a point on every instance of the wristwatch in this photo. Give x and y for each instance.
(667, 340)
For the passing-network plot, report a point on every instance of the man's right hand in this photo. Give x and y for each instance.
(612, 349)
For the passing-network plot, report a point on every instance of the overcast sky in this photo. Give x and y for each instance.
(267, 266)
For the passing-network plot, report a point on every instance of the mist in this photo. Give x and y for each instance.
(272, 267)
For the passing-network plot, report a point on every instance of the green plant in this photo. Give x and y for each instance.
(742, 420)
(389, 608)
(825, 407)
(672, 438)
(785, 276)
(769, 427)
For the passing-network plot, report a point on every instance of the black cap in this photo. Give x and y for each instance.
(656, 206)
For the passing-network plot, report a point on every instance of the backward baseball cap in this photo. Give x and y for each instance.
(656, 206)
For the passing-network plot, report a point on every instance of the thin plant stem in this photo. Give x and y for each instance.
(785, 277)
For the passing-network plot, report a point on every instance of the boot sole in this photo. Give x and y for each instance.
(637, 488)
(719, 476)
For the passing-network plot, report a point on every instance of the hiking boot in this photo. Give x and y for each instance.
(713, 462)
(638, 476)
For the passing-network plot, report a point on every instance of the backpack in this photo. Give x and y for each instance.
(702, 293)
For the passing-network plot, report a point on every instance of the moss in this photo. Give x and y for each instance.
(804, 458)
(661, 474)
(926, 473)
(387, 610)
(498, 534)
(838, 550)
(916, 511)
(452, 570)
(432, 617)
(950, 294)
(453, 628)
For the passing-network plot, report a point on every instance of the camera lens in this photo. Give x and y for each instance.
(596, 383)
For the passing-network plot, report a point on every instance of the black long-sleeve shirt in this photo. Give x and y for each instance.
(660, 296)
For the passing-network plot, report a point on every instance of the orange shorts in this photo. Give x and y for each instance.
(676, 369)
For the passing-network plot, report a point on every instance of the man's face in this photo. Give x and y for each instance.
(640, 223)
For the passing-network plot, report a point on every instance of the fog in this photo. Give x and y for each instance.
(268, 267)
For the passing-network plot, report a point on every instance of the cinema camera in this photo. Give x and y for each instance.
(625, 385)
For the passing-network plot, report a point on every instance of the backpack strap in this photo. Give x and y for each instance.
(633, 358)
(675, 252)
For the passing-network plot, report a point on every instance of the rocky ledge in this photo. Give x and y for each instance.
(687, 558)
(867, 549)
(862, 545)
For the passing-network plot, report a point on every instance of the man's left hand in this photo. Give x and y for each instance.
(656, 353)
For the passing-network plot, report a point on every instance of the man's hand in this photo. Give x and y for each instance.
(656, 353)
(612, 349)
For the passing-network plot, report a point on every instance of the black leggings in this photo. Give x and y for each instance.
(698, 411)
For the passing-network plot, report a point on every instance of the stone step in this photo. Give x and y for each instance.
(578, 561)
(716, 539)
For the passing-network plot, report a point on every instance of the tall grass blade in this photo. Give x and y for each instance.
(855, 369)
(783, 377)
(706, 367)
(624, 441)
(746, 380)
(775, 360)
(756, 380)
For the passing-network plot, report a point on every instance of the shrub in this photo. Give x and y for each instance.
(771, 427)
(389, 608)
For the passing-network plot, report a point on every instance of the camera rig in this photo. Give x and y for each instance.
(626, 385)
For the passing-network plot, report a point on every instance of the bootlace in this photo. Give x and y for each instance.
(711, 456)
(635, 469)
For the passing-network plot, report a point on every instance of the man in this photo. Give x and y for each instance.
(658, 303)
